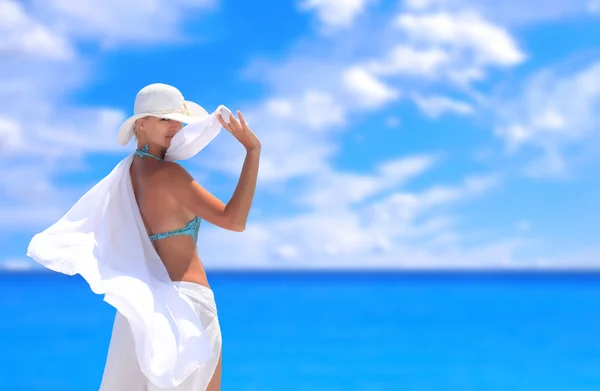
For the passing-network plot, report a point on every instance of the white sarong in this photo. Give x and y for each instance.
(122, 372)
(103, 238)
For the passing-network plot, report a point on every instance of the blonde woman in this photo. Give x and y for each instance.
(133, 238)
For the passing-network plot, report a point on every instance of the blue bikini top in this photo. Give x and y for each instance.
(191, 228)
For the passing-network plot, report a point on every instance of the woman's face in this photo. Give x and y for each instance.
(157, 131)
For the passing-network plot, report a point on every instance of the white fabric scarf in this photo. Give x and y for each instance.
(103, 238)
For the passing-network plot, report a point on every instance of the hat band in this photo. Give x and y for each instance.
(183, 111)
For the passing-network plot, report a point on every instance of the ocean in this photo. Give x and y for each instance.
(353, 331)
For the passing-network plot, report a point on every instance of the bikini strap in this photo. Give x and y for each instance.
(144, 152)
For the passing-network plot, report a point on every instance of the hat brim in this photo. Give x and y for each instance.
(197, 113)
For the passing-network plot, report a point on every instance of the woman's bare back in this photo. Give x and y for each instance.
(162, 212)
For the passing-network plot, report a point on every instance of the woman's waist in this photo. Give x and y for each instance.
(186, 269)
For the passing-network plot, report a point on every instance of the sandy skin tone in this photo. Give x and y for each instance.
(181, 199)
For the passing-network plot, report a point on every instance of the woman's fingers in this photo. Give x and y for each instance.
(242, 120)
(231, 126)
(234, 124)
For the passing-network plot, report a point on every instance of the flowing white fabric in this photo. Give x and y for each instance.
(122, 372)
(103, 238)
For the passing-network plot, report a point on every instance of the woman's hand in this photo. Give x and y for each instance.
(241, 131)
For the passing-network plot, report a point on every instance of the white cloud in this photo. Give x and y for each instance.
(18, 265)
(510, 12)
(317, 110)
(314, 95)
(408, 206)
(341, 219)
(350, 219)
(554, 112)
(298, 123)
(287, 156)
(113, 22)
(402, 229)
(21, 34)
(404, 59)
(436, 49)
(61, 133)
(435, 106)
(585, 258)
(10, 134)
(19, 219)
(369, 91)
(419, 5)
(440, 47)
(30, 199)
(279, 107)
(86, 130)
(335, 13)
(314, 109)
(489, 43)
(287, 252)
(333, 189)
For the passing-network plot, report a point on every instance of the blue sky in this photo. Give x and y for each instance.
(423, 133)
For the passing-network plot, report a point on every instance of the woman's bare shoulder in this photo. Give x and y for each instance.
(194, 197)
(174, 174)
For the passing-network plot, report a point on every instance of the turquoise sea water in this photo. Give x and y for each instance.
(334, 331)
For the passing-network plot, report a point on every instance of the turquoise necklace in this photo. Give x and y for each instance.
(144, 152)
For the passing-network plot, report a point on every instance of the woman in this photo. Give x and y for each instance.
(133, 238)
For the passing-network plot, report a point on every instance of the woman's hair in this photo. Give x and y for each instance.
(135, 128)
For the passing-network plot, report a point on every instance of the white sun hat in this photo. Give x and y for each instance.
(163, 101)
